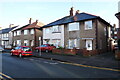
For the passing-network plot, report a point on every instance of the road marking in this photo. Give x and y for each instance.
(6, 76)
(1, 77)
(90, 66)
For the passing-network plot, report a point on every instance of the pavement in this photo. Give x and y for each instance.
(105, 60)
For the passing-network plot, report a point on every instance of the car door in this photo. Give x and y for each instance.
(19, 50)
(15, 51)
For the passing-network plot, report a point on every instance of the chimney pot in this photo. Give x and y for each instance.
(11, 25)
(71, 11)
(30, 20)
(36, 21)
(77, 12)
(114, 25)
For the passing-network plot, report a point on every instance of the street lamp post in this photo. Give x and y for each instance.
(40, 45)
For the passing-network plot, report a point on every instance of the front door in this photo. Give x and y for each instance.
(89, 44)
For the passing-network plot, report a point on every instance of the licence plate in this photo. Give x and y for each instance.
(26, 54)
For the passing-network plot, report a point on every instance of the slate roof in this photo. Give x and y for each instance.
(78, 17)
(118, 15)
(7, 30)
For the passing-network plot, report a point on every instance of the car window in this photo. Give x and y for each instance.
(26, 49)
(16, 48)
(43, 46)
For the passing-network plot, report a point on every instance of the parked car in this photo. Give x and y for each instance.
(45, 47)
(21, 51)
(1, 49)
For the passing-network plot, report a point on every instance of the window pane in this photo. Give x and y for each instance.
(14, 33)
(18, 32)
(47, 30)
(88, 25)
(25, 32)
(32, 31)
(26, 42)
(73, 26)
(56, 29)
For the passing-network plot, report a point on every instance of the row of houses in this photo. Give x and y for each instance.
(79, 30)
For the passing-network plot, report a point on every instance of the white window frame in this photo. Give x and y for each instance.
(27, 42)
(25, 32)
(18, 42)
(88, 25)
(32, 31)
(73, 26)
(73, 43)
(14, 33)
(19, 32)
(47, 30)
(56, 28)
(56, 42)
(6, 35)
(90, 47)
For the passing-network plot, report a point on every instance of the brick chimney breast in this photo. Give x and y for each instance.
(71, 11)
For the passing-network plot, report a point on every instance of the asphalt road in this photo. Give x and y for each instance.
(32, 67)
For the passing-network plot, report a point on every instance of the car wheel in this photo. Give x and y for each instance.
(20, 55)
(11, 54)
(46, 51)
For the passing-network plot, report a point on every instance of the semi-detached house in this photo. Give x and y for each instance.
(80, 31)
(28, 35)
(6, 37)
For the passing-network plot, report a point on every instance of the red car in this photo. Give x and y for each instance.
(45, 47)
(21, 51)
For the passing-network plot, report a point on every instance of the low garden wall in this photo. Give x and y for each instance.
(117, 54)
(83, 52)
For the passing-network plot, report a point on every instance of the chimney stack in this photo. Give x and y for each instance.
(36, 21)
(71, 11)
(11, 25)
(30, 20)
(77, 12)
(114, 25)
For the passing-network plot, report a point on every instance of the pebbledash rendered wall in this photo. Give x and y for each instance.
(53, 36)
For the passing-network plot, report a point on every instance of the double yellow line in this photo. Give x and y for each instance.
(75, 64)
(8, 77)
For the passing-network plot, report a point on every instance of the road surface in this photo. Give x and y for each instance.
(32, 67)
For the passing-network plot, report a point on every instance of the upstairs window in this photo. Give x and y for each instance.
(73, 26)
(47, 30)
(15, 33)
(18, 32)
(88, 25)
(6, 35)
(25, 32)
(32, 31)
(56, 29)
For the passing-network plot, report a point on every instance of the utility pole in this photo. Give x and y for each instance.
(40, 46)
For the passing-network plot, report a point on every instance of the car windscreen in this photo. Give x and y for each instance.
(43, 46)
(26, 49)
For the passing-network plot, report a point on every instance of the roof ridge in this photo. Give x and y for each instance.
(90, 14)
